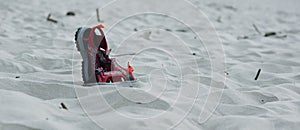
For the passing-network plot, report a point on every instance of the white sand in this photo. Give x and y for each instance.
(171, 91)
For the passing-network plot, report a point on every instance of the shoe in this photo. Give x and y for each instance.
(88, 41)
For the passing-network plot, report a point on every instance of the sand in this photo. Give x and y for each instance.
(195, 63)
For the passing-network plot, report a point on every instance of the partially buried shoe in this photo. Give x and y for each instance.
(97, 66)
(88, 40)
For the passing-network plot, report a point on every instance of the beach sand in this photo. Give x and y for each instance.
(196, 64)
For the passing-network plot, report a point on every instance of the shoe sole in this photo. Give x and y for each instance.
(81, 47)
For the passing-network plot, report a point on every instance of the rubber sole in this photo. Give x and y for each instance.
(81, 47)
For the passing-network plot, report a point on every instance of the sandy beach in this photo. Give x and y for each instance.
(200, 65)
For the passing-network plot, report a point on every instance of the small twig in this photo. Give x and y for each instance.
(98, 17)
(256, 29)
(258, 72)
(181, 30)
(63, 106)
(50, 19)
(270, 34)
